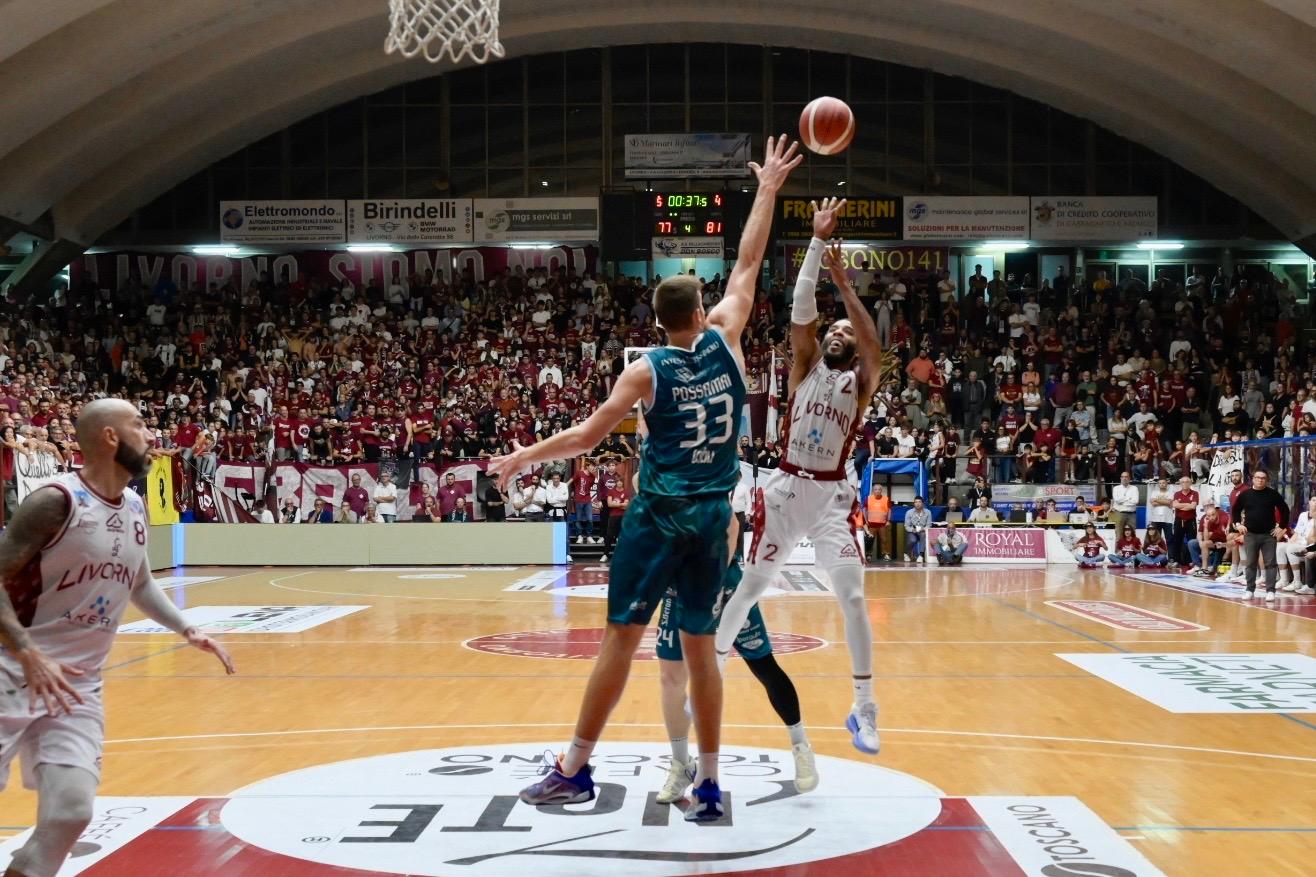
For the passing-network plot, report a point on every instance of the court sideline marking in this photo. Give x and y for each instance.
(497, 725)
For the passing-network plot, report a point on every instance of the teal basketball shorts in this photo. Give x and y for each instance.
(671, 542)
(752, 642)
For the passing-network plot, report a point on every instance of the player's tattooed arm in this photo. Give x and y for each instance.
(37, 521)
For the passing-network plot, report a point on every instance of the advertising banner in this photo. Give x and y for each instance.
(663, 156)
(1083, 218)
(184, 270)
(1122, 616)
(250, 619)
(536, 219)
(862, 219)
(957, 219)
(1004, 496)
(1054, 837)
(1210, 683)
(415, 221)
(282, 222)
(689, 248)
(997, 544)
(918, 261)
(115, 824)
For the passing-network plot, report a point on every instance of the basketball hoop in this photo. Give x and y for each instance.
(456, 28)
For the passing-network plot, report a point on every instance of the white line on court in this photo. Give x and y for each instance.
(504, 725)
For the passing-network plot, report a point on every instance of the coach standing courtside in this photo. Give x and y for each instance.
(1124, 503)
(1256, 512)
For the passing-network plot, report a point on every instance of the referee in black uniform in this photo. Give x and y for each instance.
(1255, 513)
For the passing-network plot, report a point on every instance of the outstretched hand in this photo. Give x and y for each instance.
(834, 258)
(198, 640)
(507, 466)
(778, 163)
(824, 217)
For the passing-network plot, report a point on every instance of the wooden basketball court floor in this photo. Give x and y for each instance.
(392, 739)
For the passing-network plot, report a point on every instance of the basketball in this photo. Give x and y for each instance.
(826, 125)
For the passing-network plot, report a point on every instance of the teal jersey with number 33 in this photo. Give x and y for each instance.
(694, 420)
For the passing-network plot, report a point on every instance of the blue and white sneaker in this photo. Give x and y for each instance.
(558, 788)
(705, 803)
(862, 723)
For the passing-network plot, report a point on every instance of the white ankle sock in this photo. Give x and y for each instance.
(577, 756)
(863, 690)
(707, 767)
(681, 749)
(797, 734)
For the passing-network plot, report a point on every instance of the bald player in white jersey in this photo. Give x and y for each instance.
(71, 559)
(810, 494)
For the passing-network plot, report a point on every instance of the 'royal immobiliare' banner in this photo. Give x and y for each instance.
(998, 544)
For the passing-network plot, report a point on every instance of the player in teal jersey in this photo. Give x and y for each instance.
(675, 531)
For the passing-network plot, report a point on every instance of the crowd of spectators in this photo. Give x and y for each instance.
(1071, 379)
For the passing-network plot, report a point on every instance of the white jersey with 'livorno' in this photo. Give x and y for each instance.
(72, 594)
(822, 419)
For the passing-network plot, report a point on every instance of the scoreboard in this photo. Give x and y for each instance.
(687, 214)
(633, 223)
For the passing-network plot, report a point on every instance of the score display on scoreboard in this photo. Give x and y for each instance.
(689, 214)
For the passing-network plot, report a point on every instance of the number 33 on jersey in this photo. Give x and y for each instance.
(698, 395)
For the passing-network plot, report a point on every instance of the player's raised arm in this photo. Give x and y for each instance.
(804, 303)
(730, 315)
(868, 349)
(634, 385)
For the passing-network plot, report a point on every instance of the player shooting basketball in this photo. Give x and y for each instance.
(810, 494)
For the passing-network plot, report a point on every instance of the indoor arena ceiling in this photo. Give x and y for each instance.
(107, 103)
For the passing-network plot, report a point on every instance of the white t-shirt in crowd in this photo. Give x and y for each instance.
(386, 499)
(1160, 514)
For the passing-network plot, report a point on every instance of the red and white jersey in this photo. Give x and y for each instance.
(823, 419)
(71, 595)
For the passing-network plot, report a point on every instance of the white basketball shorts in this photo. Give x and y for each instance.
(788, 507)
(72, 740)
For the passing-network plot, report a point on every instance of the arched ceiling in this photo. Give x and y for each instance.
(108, 103)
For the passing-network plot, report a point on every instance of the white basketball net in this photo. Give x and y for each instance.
(434, 28)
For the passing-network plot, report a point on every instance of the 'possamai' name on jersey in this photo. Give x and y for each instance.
(693, 420)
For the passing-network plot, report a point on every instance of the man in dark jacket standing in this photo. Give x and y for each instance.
(1263, 515)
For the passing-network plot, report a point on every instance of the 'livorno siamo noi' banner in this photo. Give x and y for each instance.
(861, 219)
(184, 270)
